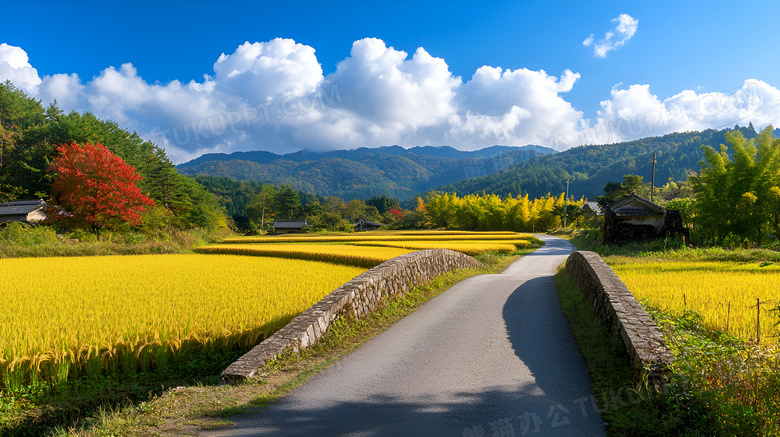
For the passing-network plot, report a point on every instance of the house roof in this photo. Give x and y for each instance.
(20, 207)
(369, 223)
(290, 224)
(635, 205)
(594, 206)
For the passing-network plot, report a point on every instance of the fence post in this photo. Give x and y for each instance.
(758, 320)
(728, 316)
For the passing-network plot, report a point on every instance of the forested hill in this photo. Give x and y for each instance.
(363, 173)
(590, 167)
(29, 134)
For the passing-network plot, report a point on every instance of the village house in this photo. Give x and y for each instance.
(367, 225)
(25, 211)
(591, 208)
(289, 226)
(635, 218)
(592, 215)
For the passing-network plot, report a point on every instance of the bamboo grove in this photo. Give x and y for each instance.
(738, 193)
(490, 212)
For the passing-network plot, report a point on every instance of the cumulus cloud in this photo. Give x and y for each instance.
(385, 87)
(509, 105)
(261, 71)
(15, 66)
(635, 112)
(624, 29)
(274, 96)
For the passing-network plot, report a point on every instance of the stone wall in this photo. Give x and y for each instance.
(357, 298)
(630, 326)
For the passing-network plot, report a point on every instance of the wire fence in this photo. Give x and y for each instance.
(760, 321)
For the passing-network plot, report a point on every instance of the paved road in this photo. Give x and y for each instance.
(491, 355)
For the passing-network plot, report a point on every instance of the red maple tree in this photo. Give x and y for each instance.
(397, 213)
(97, 187)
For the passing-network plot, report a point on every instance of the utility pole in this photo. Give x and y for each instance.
(652, 180)
(566, 204)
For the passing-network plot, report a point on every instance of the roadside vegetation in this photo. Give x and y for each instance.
(724, 380)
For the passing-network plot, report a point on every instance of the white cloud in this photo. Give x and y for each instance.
(261, 71)
(15, 66)
(389, 90)
(635, 112)
(273, 96)
(624, 29)
(588, 41)
(513, 107)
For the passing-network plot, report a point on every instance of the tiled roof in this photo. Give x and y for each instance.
(20, 207)
(635, 197)
(592, 205)
(630, 212)
(369, 223)
(290, 224)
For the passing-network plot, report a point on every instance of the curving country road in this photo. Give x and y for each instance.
(491, 356)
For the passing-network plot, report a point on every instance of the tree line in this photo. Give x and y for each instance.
(30, 135)
(737, 194)
(253, 206)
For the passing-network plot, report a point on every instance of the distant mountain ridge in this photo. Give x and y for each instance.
(589, 168)
(404, 173)
(364, 172)
(264, 157)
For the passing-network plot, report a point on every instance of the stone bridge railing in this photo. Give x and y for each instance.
(631, 328)
(356, 298)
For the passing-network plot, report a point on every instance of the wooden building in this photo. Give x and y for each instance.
(367, 225)
(592, 215)
(591, 208)
(25, 211)
(289, 226)
(635, 218)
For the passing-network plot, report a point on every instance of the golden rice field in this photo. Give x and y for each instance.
(64, 317)
(469, 247)
(361, 256)
(370, 248)
(723, 293)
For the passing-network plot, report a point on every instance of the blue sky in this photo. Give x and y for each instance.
(701, 51)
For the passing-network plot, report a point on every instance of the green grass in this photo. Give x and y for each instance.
(39, 409)
(728, 385)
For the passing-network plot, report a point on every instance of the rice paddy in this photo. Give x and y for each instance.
(65, 317)
(361, 256)
(731, 297)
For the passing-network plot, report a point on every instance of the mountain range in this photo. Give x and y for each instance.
(363, 173)
(589, 168)
(504, 170)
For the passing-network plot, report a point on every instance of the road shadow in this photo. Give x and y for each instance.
(541, 337)
(384, 416)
